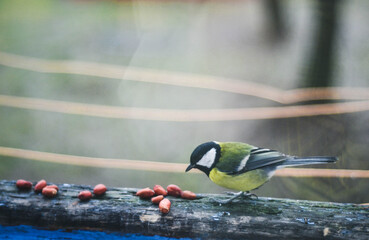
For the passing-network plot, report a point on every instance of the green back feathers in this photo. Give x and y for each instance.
(232, 154)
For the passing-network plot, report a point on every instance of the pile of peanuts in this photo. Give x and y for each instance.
(51, 191)
(158, 193)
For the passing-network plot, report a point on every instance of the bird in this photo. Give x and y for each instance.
(243, 167)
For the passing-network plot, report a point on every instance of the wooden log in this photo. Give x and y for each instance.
(120, 210)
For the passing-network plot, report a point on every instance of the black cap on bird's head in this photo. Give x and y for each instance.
(205, 156)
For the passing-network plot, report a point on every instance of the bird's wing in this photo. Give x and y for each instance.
(262, 157)
(252, 158)
(232, 155)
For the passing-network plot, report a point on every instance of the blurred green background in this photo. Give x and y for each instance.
(284, 44)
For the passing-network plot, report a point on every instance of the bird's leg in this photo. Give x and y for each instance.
(250, 195)
(228, 200)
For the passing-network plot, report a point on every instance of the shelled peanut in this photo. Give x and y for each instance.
(164, 205)
(49, 191)
(99, 189)
(23, 184)
(188, 195)
(53, 186)
(174, 190)
(145, 193)
(40, 185)
(159, 190)
(85, 195)
(157, 199)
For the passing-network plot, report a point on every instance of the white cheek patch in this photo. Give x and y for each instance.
(208, 159)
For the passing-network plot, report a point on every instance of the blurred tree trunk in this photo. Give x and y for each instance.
(320, 63)
(275, 19)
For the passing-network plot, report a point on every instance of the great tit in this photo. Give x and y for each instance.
(243, 167)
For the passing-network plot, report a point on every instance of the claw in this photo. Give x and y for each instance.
(250, 195)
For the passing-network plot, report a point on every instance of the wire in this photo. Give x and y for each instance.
(183, 79)
(178, 115)
(162, 166)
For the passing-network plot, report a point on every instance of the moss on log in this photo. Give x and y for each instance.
(120, 210)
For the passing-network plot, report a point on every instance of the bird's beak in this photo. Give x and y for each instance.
(190, 167)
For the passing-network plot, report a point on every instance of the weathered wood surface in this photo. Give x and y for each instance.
(119, 210)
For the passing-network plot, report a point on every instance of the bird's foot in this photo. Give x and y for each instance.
(250, 195)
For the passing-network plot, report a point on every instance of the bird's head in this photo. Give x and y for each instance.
(205, 157)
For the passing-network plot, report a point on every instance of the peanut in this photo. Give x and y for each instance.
(40, 185)
(164, 205)
(188, 195)
(23, 184)
(145, 193)
(85, 195)
(174, 190)
(49, 192)
(159, 190)
(53, 186)
(99, 189)
(157, 199)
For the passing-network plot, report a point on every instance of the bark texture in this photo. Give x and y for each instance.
(120, 210)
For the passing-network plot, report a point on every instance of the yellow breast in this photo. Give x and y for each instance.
(243, 182)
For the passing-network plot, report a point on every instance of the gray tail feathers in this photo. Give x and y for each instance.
(297, 161)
